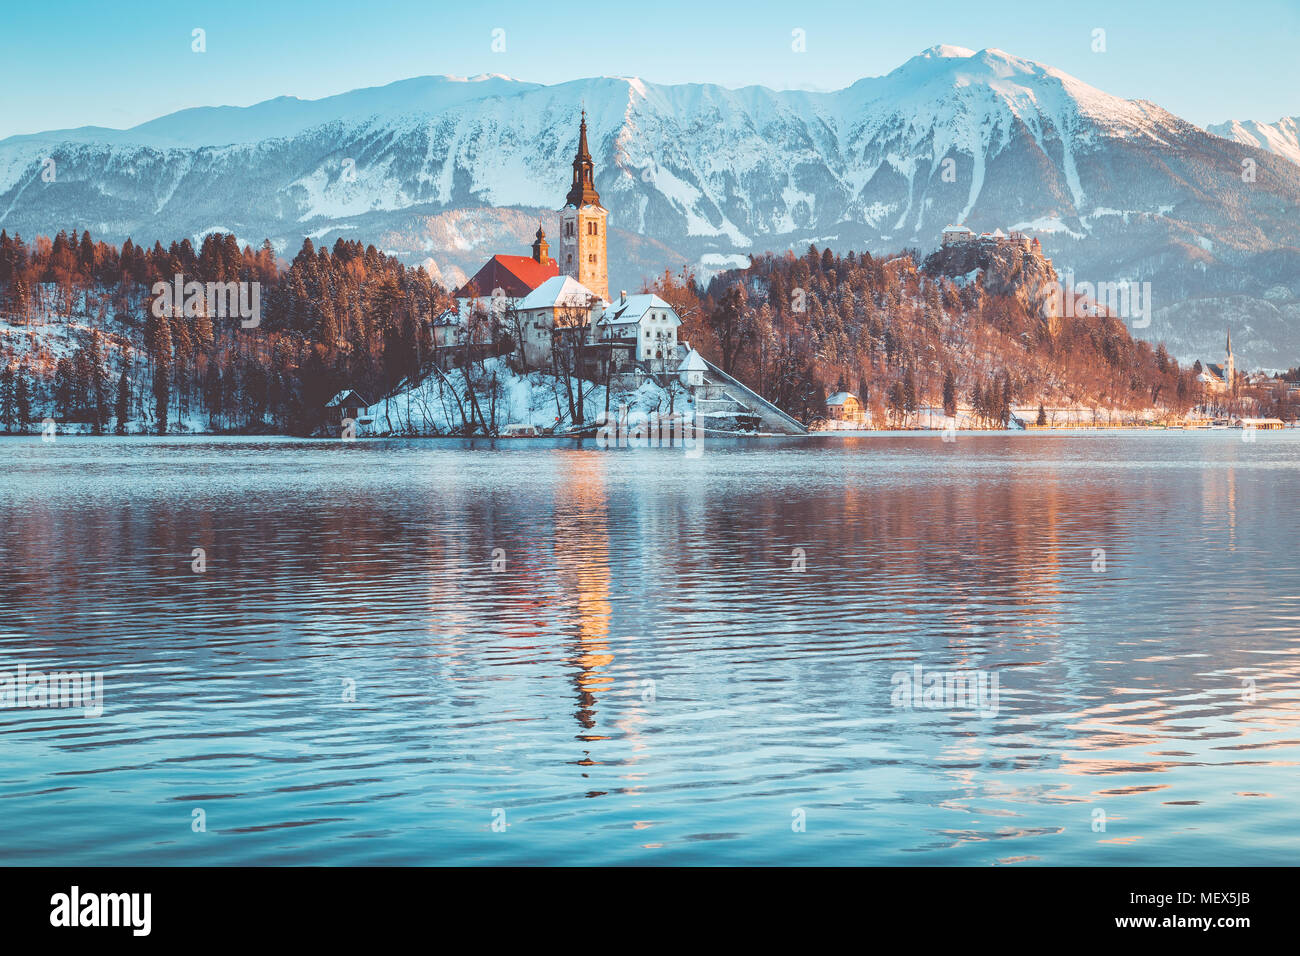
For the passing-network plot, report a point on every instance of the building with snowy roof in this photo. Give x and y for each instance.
(956, 234)
(560, 305)
(844, 406)
(691, 371)
(644, 319)
(349, 406)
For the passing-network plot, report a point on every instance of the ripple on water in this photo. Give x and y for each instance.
(682, 661)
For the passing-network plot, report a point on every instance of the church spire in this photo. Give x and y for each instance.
(583, 192)
(541, 251)
(1230, 367)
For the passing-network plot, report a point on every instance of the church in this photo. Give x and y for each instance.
(538, 299)
(1220, 379)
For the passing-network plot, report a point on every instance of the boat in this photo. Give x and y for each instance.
(520, 430)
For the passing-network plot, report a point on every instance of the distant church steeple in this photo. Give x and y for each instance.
(1229, 365)
(582, 224)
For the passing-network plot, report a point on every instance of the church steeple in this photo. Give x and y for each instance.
(583, 191)
(583, 254)
(1229, 365)
(540, 249)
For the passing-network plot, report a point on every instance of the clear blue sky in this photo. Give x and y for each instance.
(92, 62)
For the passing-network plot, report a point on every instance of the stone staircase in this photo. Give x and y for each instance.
(725, 399)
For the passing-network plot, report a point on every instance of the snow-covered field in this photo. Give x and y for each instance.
(440, 404)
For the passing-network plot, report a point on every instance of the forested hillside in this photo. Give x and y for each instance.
(901, 336)
(80, 342)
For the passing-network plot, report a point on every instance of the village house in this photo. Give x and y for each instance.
(350, 406)
(844, 407)
(1263, 424)
(1211, 376)
(483, 314)
(560, 303)
(646, 320)
(953, 235)
(446, 329)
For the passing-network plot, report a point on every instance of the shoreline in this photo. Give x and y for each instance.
(712, 435)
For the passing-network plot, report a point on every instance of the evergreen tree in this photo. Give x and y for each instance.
(21, 298)
(98, 398)
(897, 401)
(123, 408)
(63, 388)
(159, 338)
(161, 390)
(8, 398)
(950, 394)
(23, 400)
(80, 401)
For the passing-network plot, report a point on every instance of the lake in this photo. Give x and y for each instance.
(535, 652)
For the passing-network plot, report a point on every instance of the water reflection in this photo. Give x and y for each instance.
(534, 626)
(581, 553)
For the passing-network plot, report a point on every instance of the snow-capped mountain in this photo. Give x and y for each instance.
(1282, 137)
(449, 170)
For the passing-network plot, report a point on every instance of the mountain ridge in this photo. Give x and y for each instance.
(445, 171)
(1281, 137)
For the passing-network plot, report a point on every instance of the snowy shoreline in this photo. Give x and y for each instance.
(710, 434)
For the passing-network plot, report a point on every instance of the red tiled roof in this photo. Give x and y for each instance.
(515, 276)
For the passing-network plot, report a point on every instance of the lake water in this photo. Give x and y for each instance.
(677, 660)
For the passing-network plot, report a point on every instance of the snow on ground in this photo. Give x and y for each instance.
(40, 343)
(1046, 224)
(440, 403)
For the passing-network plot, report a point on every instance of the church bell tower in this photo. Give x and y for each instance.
(1229, 367)
(541, 249)
(582, 224)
